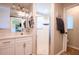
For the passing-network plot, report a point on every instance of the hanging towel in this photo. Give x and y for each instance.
(60, 25)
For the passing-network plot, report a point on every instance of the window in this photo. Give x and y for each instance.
(4, 17)
(70, 22)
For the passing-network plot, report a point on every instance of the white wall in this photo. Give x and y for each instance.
(73, 34)
(58, 37)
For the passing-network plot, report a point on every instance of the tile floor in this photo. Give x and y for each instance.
(71, 51)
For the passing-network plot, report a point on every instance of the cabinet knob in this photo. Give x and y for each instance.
(24, 45)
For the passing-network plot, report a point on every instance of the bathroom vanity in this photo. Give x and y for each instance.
(15, 24)
(16, 45)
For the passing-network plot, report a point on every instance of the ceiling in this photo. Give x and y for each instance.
(25, 5)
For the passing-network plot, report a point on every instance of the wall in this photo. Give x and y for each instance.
(73, 35)
(58, 39)
(5, 31)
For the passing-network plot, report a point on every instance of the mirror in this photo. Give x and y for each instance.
(16, 25)
(21, 21)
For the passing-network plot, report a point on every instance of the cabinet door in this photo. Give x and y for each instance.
(28, 45)
(19, 47)
(12, 46)
(23, 46)
(6, 47)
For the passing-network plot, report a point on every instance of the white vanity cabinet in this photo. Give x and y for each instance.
(16, 46)
(7, 47)
(23, 46)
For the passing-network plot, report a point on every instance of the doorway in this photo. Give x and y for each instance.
(72, 27)
(43, 28)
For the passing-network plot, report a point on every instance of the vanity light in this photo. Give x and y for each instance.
(20, 13)
(30, 14)
(13, 6)
(23, 9)
(27, 15)
(18, 8)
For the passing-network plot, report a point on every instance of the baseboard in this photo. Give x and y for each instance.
(73, 47)
(59, 53)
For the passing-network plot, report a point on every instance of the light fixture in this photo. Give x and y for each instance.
(27, 14)
(20, 13)
(23, 9)
(13, 6)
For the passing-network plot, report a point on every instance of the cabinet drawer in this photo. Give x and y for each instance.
(26, 39)
(5, 43)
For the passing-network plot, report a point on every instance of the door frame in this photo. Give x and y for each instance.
(34, 34)
(51, 42)
(65, 21)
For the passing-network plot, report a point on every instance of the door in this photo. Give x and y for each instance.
(7, 47)
(28, 45)
(19, 46)
(43, 12)
(43, 35)
(23, 46)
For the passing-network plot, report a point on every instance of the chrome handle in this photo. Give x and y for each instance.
(46, 24)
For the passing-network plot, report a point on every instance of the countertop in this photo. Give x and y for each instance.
(15, 36)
